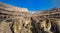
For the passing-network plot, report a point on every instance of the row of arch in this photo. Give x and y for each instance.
(6, 16)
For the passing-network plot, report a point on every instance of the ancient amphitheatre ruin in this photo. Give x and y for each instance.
(20, 20)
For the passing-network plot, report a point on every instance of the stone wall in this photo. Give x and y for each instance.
(12, 8)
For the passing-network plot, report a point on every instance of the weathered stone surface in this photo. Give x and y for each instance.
(22, 25)
(5, 28)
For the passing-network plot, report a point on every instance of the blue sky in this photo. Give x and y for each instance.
(33, 5)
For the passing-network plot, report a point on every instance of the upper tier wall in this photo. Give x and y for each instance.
(12, 8)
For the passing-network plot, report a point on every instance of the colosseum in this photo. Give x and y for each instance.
(19, 20)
